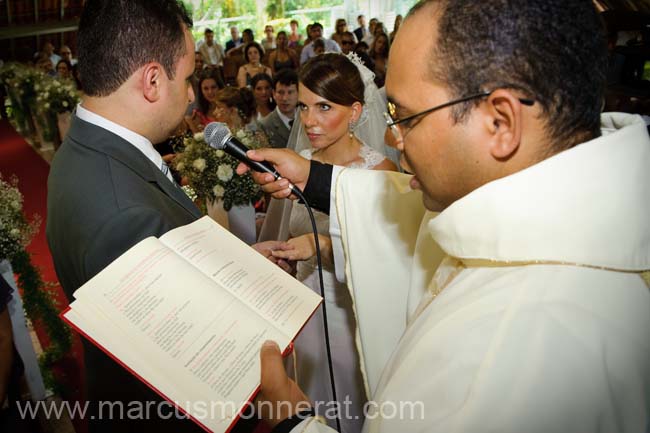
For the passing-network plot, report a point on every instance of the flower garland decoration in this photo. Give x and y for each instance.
(38, 298)
(211, 173)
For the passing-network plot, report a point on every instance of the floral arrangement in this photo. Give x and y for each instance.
(211, 173)
(10, 77)
(57, 96)
(15, 233)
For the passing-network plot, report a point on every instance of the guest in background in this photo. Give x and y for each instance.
(206, 103)
(235, 41)
(282, 57)
(308, 38)
(316, 32)
(361, 31)
(247, 37)
(47, 50)
(361, 50)
(347, 42)
(318, 46)
(295, 38)
(268, 43)
(370, 36)
(236, 108)
(277, 125)
(253, 54)
(398, 22)
(379, 55)
(262, 86)
(64, 70)
(340, 28)
(66, 54)
(45, 64)
(211, 52)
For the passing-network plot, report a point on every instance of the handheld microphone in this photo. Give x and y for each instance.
(218, 136)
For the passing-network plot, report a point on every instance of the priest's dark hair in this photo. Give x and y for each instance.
(552, 51)
(116, 37)
(334, 77)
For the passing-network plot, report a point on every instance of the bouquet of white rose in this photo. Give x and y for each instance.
(211, 173)
(57, 96)
(15, 231)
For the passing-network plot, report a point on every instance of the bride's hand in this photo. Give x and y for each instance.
(291, 166)
(302, 247)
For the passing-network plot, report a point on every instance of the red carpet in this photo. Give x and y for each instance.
(18, 158)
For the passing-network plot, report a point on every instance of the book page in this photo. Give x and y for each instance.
(190, 339)
(275, 295)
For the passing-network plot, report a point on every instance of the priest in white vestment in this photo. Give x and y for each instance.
(516, 299)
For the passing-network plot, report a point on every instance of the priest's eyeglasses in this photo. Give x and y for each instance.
(406, 123)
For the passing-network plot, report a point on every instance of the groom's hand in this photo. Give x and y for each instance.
(279, 396)
(292, 167)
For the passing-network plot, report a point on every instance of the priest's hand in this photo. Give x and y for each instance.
(279, 396)
(292, 167)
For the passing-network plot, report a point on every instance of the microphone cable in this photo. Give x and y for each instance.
(295, 190)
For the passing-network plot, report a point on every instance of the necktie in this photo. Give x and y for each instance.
(165, 170)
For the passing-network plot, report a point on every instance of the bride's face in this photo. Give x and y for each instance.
(325, 122)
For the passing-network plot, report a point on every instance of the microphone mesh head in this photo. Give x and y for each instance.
(215, 134)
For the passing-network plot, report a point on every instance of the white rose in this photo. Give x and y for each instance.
(64, 103)
(199, 136)
(199, 164)
(240, 134)
(224, 172)
(37, 87)
(15, 204)
(46, 95)
(180, 166)
(218, 191)
(220, 153)
(47, 105)
(15, 232)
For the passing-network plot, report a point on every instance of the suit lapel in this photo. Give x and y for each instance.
(121, 150)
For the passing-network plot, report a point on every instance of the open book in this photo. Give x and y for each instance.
(188, 313)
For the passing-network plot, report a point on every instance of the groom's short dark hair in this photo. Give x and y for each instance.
(116, 37)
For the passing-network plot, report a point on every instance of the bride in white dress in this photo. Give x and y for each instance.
(341, 124)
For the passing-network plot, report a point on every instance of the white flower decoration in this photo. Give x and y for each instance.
(64, 103)
(47, 105)
(240, 134)
(199, 164)
(180, 166)
(224, 172)
(218, 191)
(199, 136)
(220, 153)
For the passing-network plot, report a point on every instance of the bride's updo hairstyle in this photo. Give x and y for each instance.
(333, 77)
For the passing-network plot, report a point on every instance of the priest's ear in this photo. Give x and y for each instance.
(503, 121)
(153, 76)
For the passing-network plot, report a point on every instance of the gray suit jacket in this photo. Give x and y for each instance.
(275, 129)
(104, 196)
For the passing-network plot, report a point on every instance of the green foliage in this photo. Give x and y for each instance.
(38, 297)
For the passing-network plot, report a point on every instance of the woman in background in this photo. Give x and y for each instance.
(253, 54)
(379, 55)
(64, 70)
(205, 104)
(283, 57)
(262, 85)
(295, 38)
(236, 108)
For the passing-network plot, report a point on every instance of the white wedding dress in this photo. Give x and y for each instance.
(311, 357)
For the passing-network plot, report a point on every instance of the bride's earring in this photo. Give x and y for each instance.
(351, 127)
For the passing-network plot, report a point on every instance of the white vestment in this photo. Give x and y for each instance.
(536, 317)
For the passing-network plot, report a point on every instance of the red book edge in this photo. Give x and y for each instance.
(286, 352)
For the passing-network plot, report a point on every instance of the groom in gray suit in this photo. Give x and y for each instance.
(108, 188)
(277, 125)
